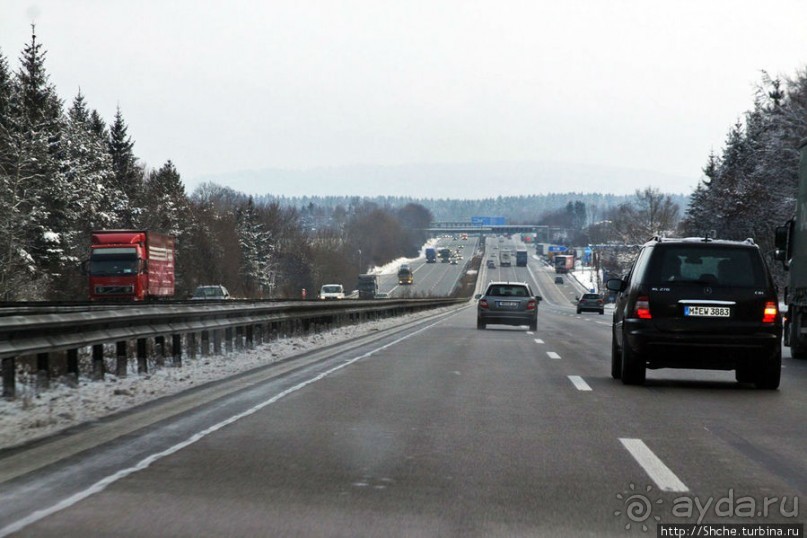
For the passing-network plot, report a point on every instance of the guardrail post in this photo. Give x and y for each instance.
(228, 339)
(217, 341)
(98, 362)
(142, 362)
(250, 337)
(42, 370)
(9, 378)
(159, 350)
(239, 338)
(205, 343)
(72, 365)
(191, 343)
(176, 349)
(120, 359)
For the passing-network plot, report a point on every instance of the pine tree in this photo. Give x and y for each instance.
(129, 177)
(256, 251)
(32, 209)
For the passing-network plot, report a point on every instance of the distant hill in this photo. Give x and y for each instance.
(515, 209)
(448, 181)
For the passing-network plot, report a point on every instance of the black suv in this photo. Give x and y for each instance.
(507, 303)
(697, 303)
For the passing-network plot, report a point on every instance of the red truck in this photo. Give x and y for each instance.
(130, 265)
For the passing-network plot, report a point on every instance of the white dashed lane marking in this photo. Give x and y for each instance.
(578, 382)
(552, 355)
(664, 478)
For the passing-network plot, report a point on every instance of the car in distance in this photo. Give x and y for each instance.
(558, 280)
(591, 302)
(210, 293)
(697, 303)
(491, 264)
(331, 291)
(507, 303)
(383, 295)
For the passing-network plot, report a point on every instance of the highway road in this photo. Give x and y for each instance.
(433, 429)
(432, 279)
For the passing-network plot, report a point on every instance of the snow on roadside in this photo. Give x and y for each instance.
(32, 416)
(392, 267)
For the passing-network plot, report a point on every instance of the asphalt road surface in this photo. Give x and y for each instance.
(435, 429)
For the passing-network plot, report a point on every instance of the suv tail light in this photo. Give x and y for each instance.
(770, 312)
(532, 304)
(483, 303)
(642, 308)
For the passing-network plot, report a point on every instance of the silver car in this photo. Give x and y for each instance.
(507, 303)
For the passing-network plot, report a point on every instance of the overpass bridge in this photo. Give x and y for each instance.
(542, 232)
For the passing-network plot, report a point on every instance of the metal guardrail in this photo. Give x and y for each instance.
(191, 329)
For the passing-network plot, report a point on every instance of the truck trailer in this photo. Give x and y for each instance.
(521, 257)
(130, 265)
(791, 249)
(431, 255)
(563, 263)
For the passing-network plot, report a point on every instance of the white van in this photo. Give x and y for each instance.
(332, 291)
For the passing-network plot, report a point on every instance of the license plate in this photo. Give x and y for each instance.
(508, 304)
(707, 311)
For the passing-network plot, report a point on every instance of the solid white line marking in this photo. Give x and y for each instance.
(664, 478)
(530, 332)
(539, 341)
(553, 355)
(578, 382)
(146, 462)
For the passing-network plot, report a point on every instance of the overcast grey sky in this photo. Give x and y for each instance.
(223, 86)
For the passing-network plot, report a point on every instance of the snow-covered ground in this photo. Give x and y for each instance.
(587, 277)
(34, 415)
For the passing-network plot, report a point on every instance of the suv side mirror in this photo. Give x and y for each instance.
(615, 284)
(539, 298)
(478, 296)
(781, 241)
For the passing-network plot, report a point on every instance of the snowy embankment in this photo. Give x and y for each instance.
(392, 267)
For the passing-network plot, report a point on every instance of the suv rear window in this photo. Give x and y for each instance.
(713, 265)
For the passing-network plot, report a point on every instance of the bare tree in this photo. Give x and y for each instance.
(651, 213)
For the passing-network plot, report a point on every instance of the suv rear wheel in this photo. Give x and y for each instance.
(769, 372)
(634, 369)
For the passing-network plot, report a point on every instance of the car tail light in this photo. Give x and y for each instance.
(532, 304)
(770, 312)
(483, 303)
(643, 307)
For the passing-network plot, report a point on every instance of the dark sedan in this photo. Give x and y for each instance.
(507, 303)
(591, 302)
